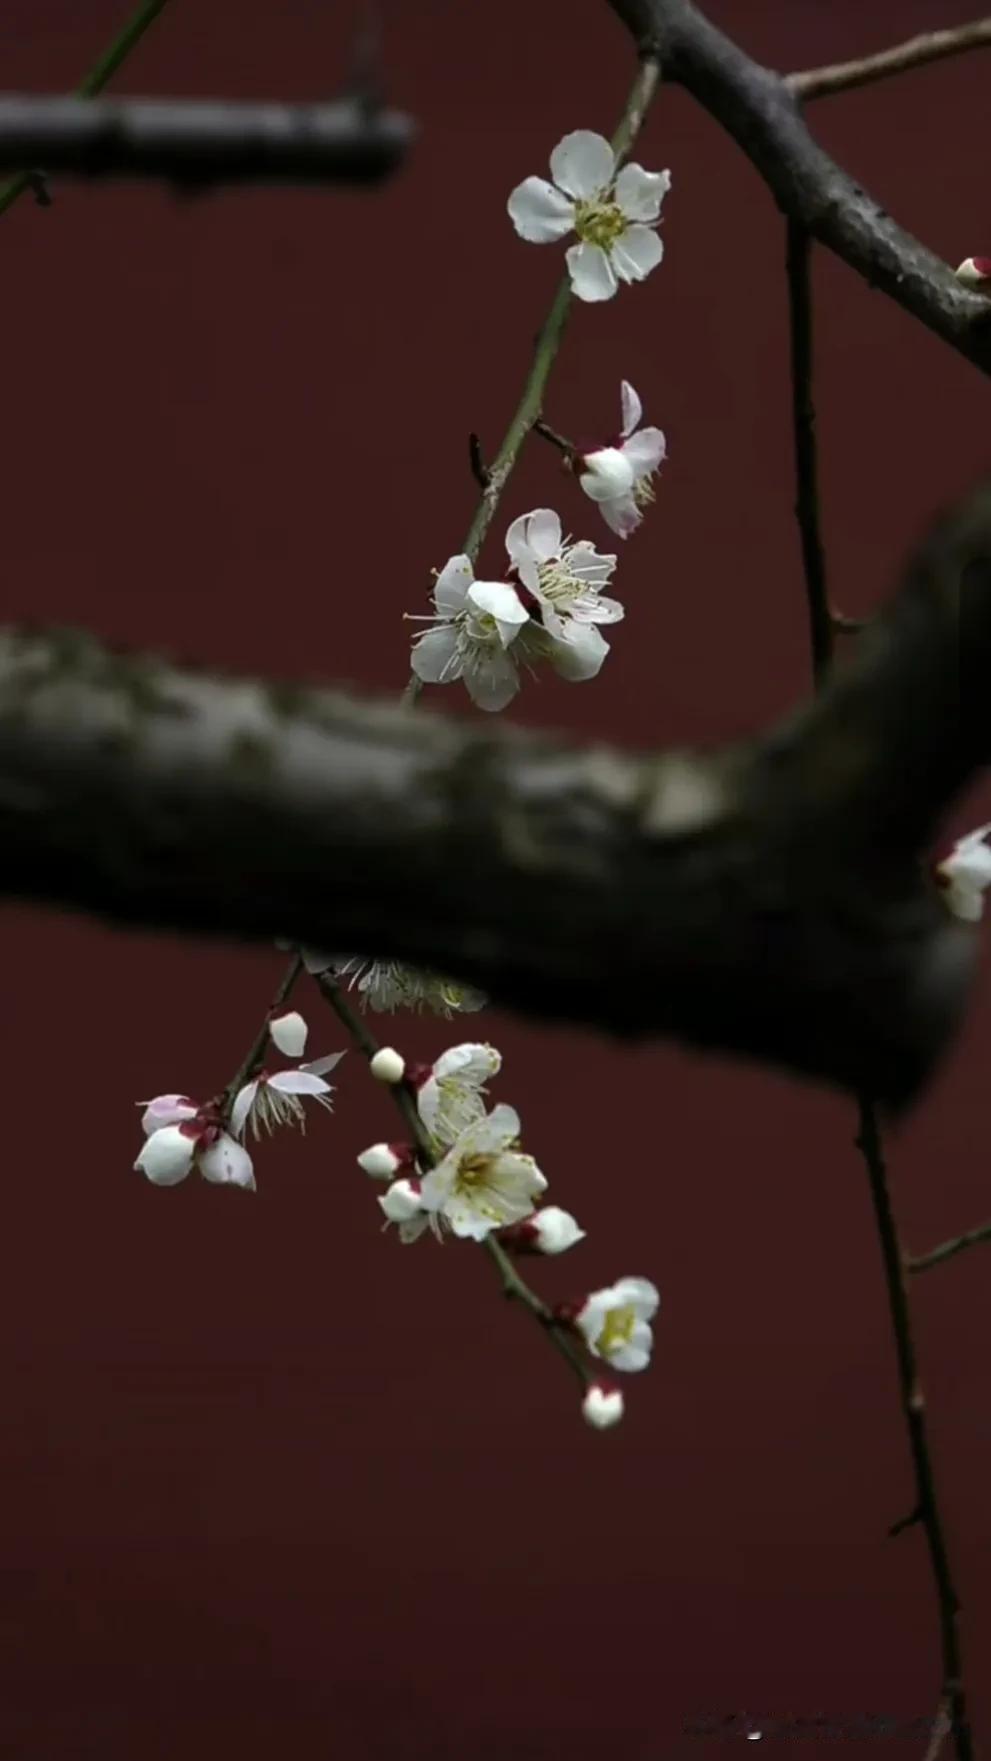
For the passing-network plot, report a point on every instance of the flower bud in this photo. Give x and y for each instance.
(289, 1034)
(227, 1163)
(168, 1154)
(605, 474)
(383, 1160)
(602, 1406)
(975, 272)
(549, 1230)
(402, 1202)
(388, 1065)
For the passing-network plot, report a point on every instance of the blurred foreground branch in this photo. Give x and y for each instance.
(767, 899)
(198, 143)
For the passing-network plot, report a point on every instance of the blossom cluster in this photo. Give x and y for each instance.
(467, 1176)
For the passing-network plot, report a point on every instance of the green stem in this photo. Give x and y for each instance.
(94, 81)
(531, 403)
(947, 1249)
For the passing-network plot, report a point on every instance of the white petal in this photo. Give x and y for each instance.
(242, 1107)
(639, 193)
(298, 1082)
(645, 451)
(580, 655)
(435, 658)
(402, 1201)
(536, 535)
(451, 585)
(602, 1407)
(590, 565)
(583, 164)
(636, 252)
(631, 406)
(591, 272)
(539, 212)
(320, 1066)
(166, 1110)
(491, 678)
(288, 1032)
(493, 1133)
(973, 839)
(380, 1161)
(167, 1156)
(965, 901)
(227, 1163)
(471, 1062)
(503, 603)
(643, 1296)
(622, 516)
(606, 473)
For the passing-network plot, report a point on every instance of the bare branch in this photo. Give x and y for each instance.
(198, 143)
(763, 116)
(842, 76)
(765, 899)
(947, 1250)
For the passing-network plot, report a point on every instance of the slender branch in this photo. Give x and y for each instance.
(513, 1285)
(806, 468)
(93, 82)
(914, 1412)
(545, 351)
(255, 1056)
(203, 142)
(765, 119)
(947, 1250)
(842, 76)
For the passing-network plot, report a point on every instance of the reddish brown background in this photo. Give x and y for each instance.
(271, 1485)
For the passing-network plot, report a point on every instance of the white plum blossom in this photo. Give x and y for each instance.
(602, 1406)
(965, 875)
(386, 985)
(273, 1099)
(180, 1136)
(615, 1322)
(472, 635)
(483, 1182)
(403, 1205)
(617, 477)
(450, 1091)
(565, 579)
(614, 215)
(550, 1230)
(288, 1032)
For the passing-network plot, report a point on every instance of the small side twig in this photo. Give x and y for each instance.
(842, 76)
(479, 469)
(948, 1249)
(550, 434)
(255, 1056)
(806, 464)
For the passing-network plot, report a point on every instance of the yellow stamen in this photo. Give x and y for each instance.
(599, 223)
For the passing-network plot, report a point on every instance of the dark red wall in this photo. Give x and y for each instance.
(269, 1484)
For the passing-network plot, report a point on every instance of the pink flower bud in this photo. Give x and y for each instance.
(168, 1154)
(975, 272)
(402, 1202)
(549, 1231)
(388, 1065)
(384, 1160)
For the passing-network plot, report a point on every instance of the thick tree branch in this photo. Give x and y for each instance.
(197, 143)
(763, 116)
(765, 900)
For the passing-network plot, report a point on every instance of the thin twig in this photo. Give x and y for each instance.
(514, 1286)
(545, 350)
(479, 469)
(842, 76)
(914, 1412)
(926, 1511)
(91, 84)
(948, 1249)
(806, 464)
(546, 432)
(255, 1057)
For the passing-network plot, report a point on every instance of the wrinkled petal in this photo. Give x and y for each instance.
(621, 515)
(579, 654)
(639, 193)
(636, 252)
(243, 1103)
(501, 602)
(166, 1110)
(539, 212)
(227, 1163)
(645, 451)
(582, 164)
(491, 679)
(288, 1032)
(167, 1155)
(631, 406)
(452, 585)
(535, 536)
(436, 658)
(471, 1062)
(591, 272)
(643, 1296)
